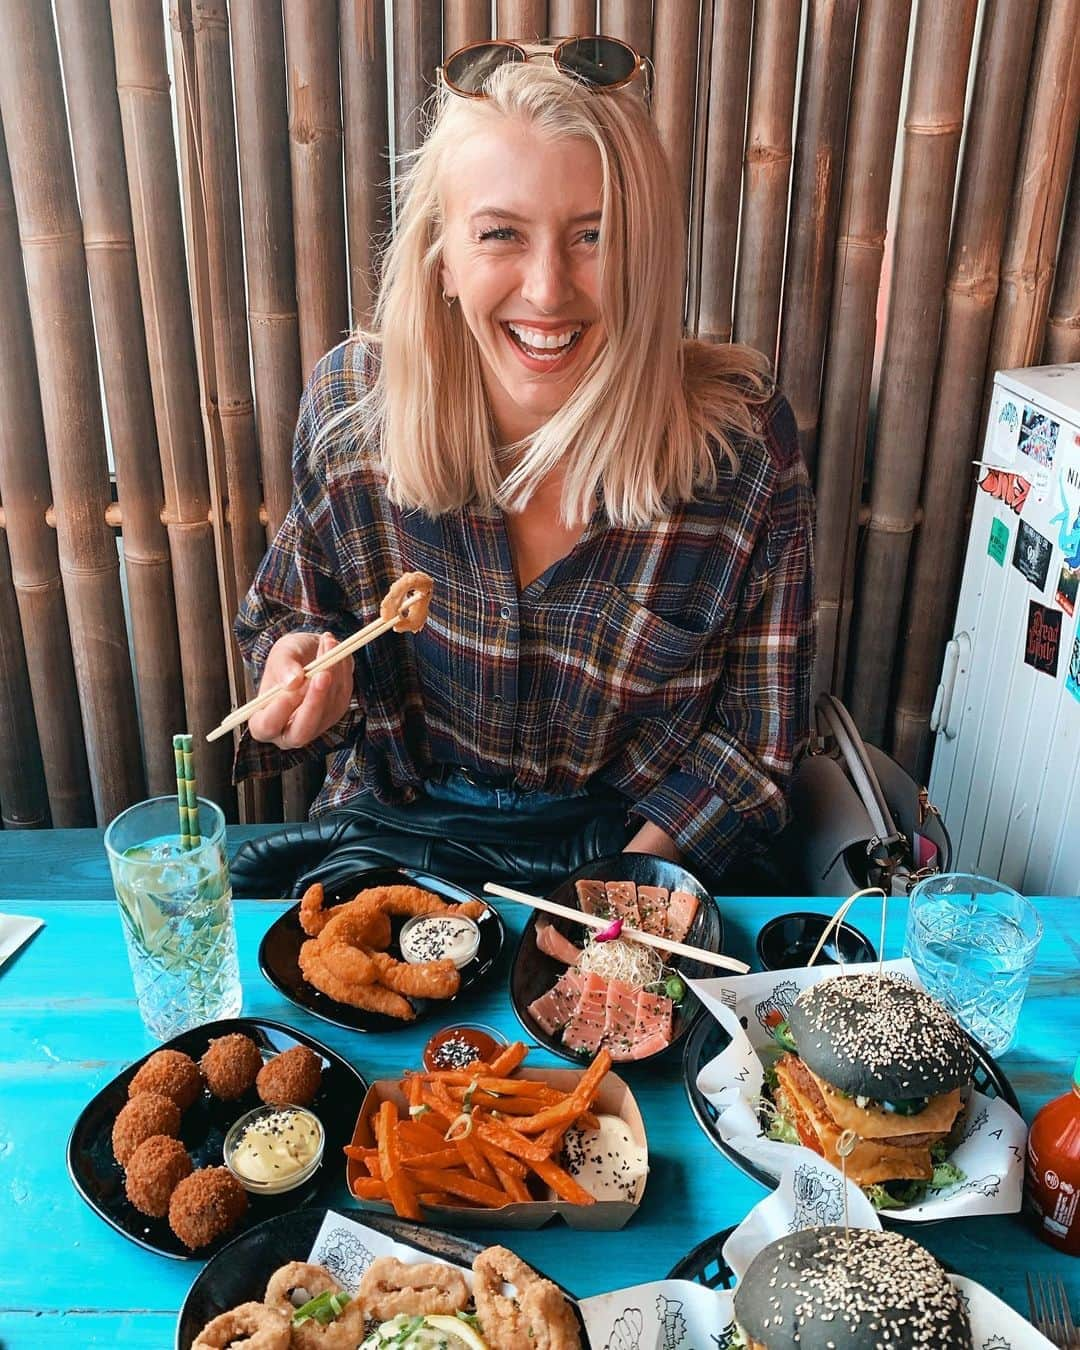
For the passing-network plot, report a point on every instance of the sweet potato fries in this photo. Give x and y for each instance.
(474, 1137)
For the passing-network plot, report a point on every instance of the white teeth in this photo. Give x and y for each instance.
(543, 341)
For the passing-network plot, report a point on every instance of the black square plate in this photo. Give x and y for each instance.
(99, 1178)
(534, 973)
(239, 1273)
(279, 952)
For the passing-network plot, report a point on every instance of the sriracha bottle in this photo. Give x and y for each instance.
(1052, 1183)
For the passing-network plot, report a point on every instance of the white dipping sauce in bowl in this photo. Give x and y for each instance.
(439, 937)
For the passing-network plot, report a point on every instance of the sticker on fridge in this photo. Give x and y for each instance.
(1038, 436)
(1068, 582)
(1006, 429)
(1031, 556)
(1043, 638)
(998, 547)
(1006, 487)
(1072, 679)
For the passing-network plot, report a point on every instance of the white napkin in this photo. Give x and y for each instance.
(15, 929)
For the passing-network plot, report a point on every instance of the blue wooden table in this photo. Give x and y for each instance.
(68, 1023)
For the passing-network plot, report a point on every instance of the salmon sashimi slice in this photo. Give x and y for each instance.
(652, 902)
(585, 1029)
(555, 1008)
(622, 902)
(592, 898)
(555, 944)
(681, 913)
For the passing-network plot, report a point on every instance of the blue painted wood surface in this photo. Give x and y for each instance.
(68, 1023)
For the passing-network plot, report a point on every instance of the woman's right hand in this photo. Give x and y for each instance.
(306, 707)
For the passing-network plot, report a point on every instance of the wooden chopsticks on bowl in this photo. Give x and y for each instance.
(633, 934)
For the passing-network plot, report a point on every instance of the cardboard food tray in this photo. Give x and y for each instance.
(614, 1098)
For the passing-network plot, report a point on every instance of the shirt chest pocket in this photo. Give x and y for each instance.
(608, 653)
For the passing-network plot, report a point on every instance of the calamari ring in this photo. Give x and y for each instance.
(301, 1278)
(251, 1326)
(425, 979)
(372, 997)
(539, 1318)
(414, 587)
(390, 1287)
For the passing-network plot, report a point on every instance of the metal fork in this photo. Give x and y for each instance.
(1050, 1313)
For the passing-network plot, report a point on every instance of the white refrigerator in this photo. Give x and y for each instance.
(1006, 767)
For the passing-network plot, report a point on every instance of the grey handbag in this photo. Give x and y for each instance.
(859, 818)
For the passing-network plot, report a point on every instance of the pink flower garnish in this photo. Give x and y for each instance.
(610, 933)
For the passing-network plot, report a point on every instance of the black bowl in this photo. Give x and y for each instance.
(534, 973)
(99, 1178)
(240, 1271)
(789, 941)
(709, 1038)
(706, 1265)
(279, 951)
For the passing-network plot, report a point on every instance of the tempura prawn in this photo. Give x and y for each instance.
(426, 979)
(373, 997)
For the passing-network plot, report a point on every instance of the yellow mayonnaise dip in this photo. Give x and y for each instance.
(277, 1146)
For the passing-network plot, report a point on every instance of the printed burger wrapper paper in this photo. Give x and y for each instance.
(679, 1314)
(991, 1149)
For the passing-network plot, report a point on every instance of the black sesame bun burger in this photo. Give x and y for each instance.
(827, 1289)
(876, 1056)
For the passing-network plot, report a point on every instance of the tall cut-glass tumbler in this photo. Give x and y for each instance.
(176, 911)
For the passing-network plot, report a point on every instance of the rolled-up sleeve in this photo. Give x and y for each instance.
(728, 791)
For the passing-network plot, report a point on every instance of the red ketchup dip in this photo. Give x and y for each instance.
(458, 1047)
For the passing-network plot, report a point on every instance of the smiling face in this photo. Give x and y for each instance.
(521, 254)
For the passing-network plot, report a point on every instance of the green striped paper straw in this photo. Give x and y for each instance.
(186, 792)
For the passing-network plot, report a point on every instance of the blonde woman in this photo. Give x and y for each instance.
(617, 519)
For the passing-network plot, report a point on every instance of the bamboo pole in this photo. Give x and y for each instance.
(26, 493)
(766, 171)
(696, 217)
(23, 798)
(220, 193)
(675, 52)
(993, 136)
(1047, 143)
(933, 124)
(465, 21)
(35, 123)
(315, 147)
(417, 51)
(258, 51)
(815, 202)
(150, 155)
(97, 139)
(367, 147)
(525, 19)
(570, 18)
(880, 49)
(262, 122)
(729, 72)
(631, 20)
(1063, 325)
(257, 799)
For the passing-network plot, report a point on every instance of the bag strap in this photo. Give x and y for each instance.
(849, 743)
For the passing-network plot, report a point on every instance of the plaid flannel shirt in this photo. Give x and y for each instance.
(672, 662)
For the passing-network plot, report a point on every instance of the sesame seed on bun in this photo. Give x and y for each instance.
(826, 1288)
(880, 1037)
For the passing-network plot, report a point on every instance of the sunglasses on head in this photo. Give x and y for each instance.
(602, 63)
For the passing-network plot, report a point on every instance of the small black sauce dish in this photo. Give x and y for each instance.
(789, 940)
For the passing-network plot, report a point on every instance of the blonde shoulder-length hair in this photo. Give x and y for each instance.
(653, 416)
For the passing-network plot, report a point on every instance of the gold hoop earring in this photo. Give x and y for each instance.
(449, 300)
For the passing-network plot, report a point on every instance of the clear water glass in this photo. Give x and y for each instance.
(973, 942)
(176, 911)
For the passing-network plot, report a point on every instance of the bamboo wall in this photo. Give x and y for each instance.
(888, 239)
